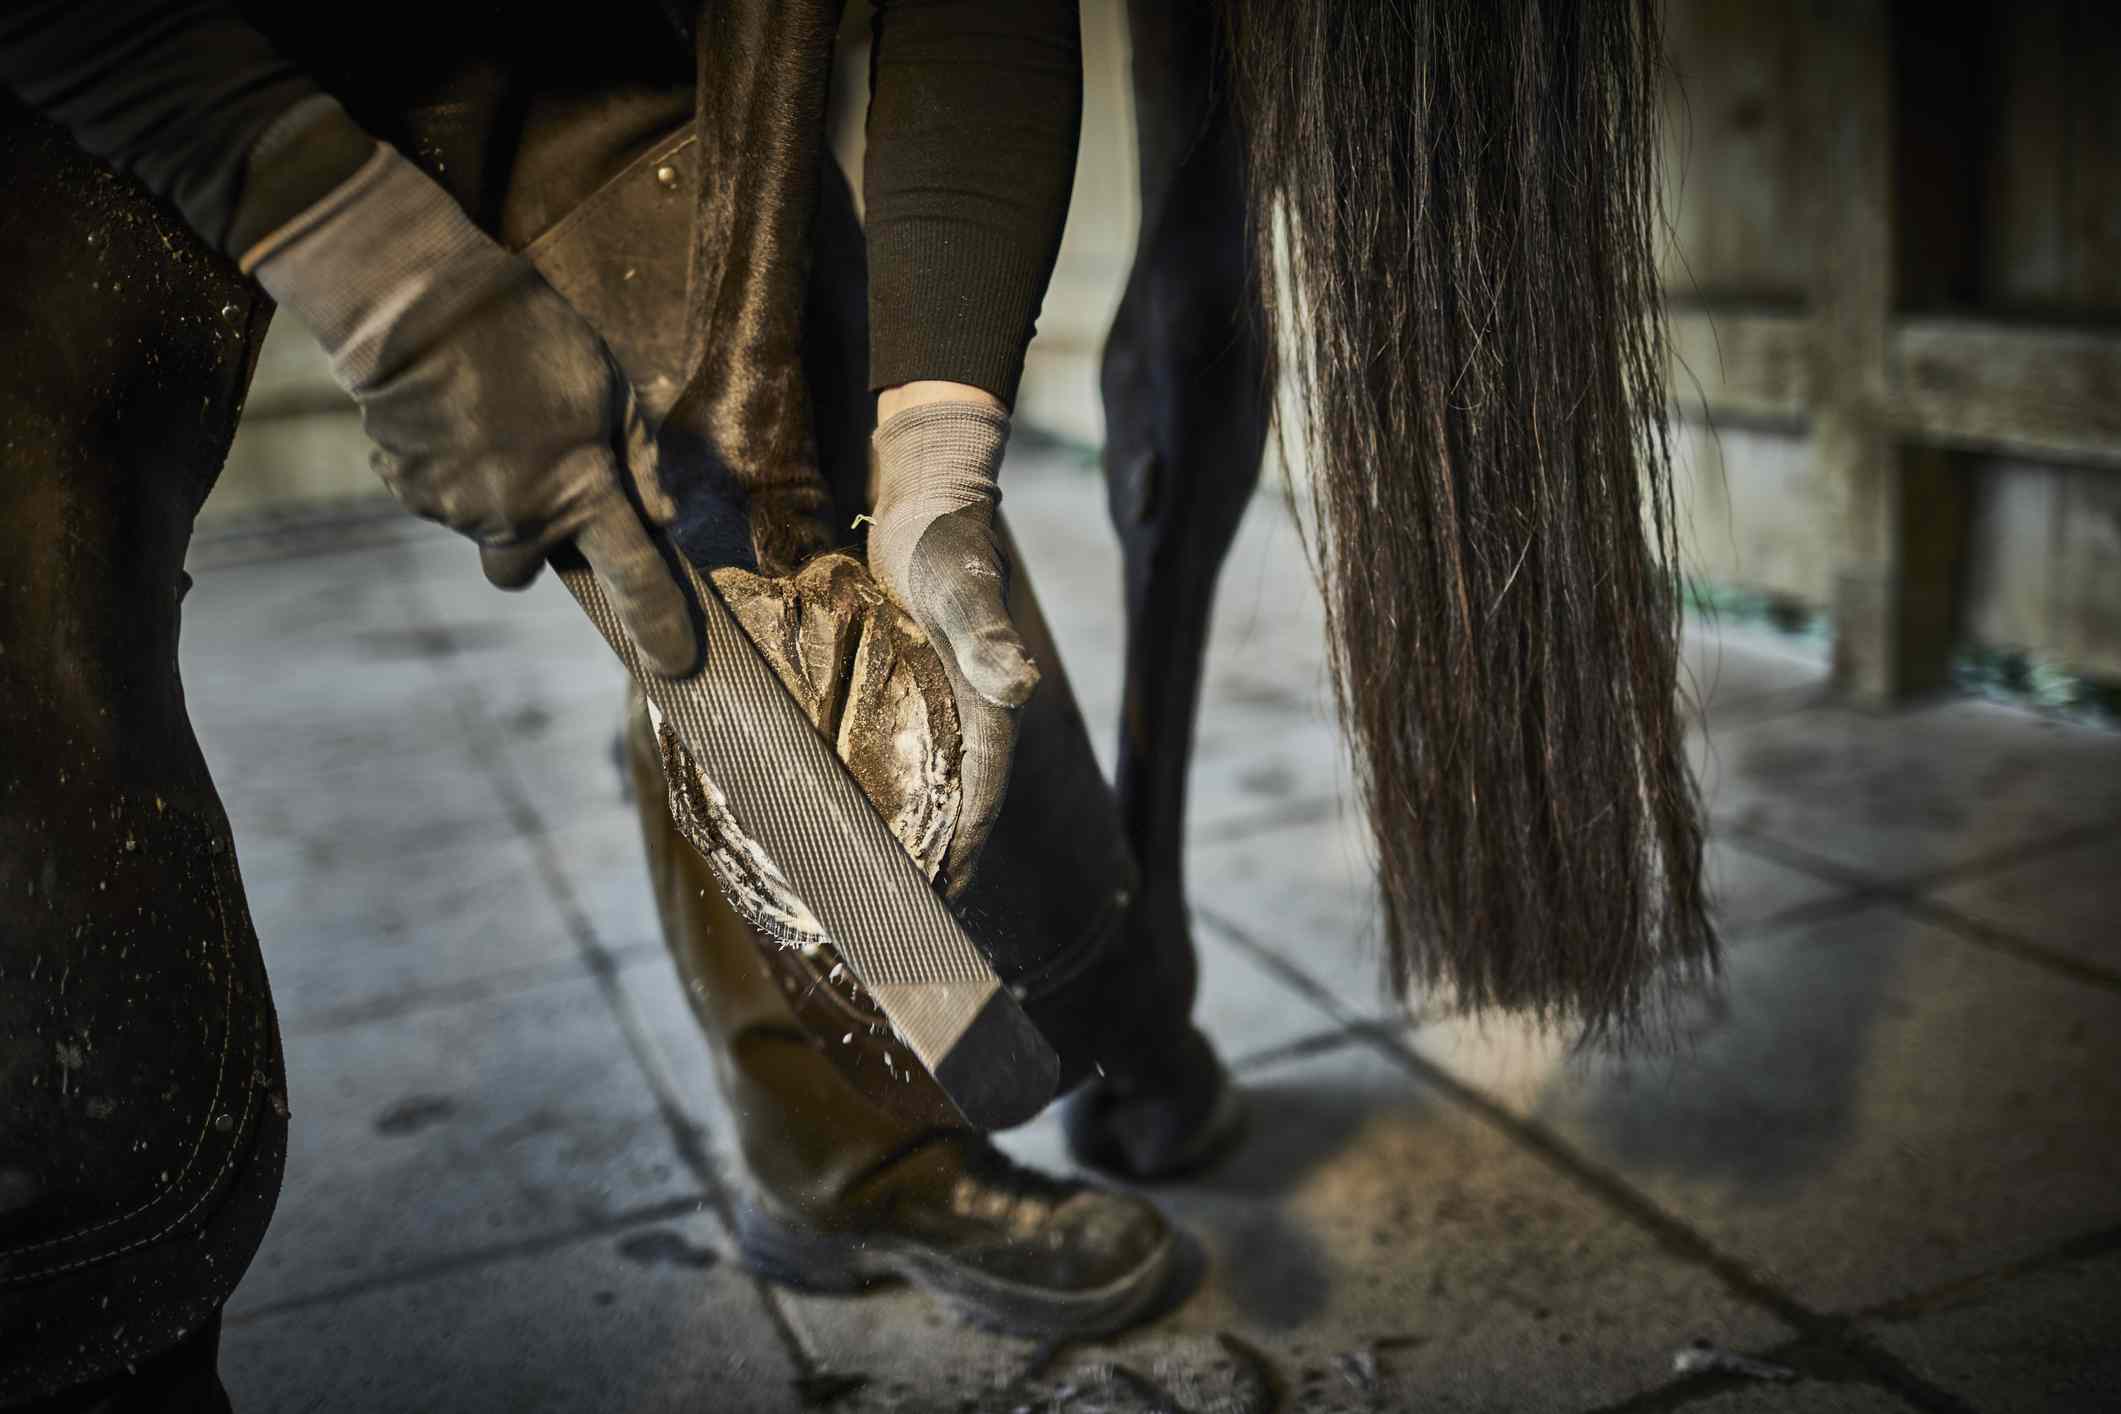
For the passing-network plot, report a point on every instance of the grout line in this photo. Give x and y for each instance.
(1758, 841)
(662, 1211)
(688, 1136)
(1318, 1043)
(1984, 935)
(414, 1000)
(1668, 1232)
(2025, 852)
(1819, 866)
(364, 524)
(1969, 1290)
(1952, 1295)
(1314, 811)
(1915, 900)
(1802, 915)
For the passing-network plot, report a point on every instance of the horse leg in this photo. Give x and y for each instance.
(1186, 408)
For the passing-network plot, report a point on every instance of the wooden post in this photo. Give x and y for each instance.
(1889, 111)
(1849, 114)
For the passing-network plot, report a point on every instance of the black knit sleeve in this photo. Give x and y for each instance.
(975, 109)
(175, 92)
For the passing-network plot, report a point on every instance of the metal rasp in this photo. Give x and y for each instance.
(789, 793)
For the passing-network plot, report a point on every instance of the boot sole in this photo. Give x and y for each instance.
(844, 1264)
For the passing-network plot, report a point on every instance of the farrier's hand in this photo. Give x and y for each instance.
(495, 409)
(933, 549)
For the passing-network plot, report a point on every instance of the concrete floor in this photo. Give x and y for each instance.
(1888, 1162)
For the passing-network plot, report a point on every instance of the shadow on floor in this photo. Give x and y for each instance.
(1293, 1131)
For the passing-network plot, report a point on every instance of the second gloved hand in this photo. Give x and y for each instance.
(495, 408)
(933, 549)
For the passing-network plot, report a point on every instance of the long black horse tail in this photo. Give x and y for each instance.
(1455, 203)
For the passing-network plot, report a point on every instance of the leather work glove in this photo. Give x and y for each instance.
(932, 548)
(494, 407)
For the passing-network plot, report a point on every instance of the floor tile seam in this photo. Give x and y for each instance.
(2028, 852)
(1523, 1133)
(1307, 810)
(1980, 1287)
(1355, 1023)
(1672, 1235)
(688, 1132)
(1803, 914)
(663, 1210)
(692, 1139)
(376, 504)
(1851, 894)
(688, 1135)
(1305, 1047)
(2003, 942)
(1278, 968)
(369, 526)
(603, 816)
(1668, 1232)
(1296, 979)
(1922, 904)
(414, 1001)
(1763, 843)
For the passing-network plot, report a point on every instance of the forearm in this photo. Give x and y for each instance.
(179, 95)
(974, 114)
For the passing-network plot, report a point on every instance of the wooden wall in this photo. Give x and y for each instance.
(1895, 267)
(1896, 282)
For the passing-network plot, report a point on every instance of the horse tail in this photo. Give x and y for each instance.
(1455, 203)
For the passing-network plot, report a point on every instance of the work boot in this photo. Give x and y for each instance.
(839, 1193)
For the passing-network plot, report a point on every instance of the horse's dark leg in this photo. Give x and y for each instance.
(1186, 410)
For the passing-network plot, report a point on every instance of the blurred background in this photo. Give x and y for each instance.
(1895, 278)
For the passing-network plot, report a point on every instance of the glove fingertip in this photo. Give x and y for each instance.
(962, 861)
(649, 600)
(667, 642)
(513, 567)
(1000, 670)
